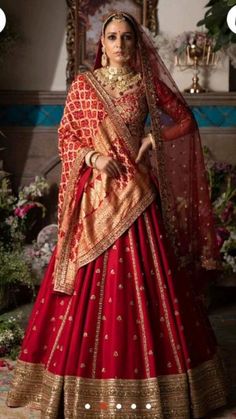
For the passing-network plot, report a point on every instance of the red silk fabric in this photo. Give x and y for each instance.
(173, 326)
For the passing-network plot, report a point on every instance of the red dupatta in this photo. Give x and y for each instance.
(184, 189)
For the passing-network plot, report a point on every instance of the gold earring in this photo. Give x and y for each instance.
(104, 57)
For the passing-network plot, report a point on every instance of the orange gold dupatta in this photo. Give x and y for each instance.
(107, 206)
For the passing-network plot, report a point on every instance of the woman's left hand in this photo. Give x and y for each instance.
(146, 145)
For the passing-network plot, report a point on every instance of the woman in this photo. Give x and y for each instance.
(118, 328)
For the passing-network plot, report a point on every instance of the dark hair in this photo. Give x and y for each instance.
(128, 19)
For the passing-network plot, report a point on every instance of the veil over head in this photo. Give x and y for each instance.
(179, 162)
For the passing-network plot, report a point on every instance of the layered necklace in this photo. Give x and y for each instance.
(119, 79)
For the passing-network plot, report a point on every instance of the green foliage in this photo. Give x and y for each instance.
(216, 23)
(11, 335)
(19, 215)
(13, 268)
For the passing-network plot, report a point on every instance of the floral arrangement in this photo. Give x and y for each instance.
(164, 45)
(17, 214)
(200, 39)
(19, 218)
(222, 179)
(169, 47)
(11, 335)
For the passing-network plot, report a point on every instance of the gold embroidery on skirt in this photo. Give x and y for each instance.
(147, 365)
(177, 360)
(98, 326)
(59, 332)
(166, 396)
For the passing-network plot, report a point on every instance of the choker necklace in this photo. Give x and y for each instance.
(119, 79)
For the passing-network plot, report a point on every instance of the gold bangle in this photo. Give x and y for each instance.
(88, 157)
(94, 158)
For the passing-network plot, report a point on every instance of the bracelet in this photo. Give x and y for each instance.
(95, 159)
(152, 140)
(88, 157)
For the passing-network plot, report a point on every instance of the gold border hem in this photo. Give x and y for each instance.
(175, 396)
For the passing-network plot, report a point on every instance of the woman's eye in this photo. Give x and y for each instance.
(128, 37)
(111, 37)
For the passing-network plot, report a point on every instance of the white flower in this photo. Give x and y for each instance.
(164, 45)
(231, 260)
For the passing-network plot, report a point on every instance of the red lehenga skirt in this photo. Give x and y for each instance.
(133, 341)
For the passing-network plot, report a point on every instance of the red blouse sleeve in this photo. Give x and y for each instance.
(180, 113)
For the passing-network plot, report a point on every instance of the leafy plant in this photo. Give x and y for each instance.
(11, 336)
(13, 268)
(215, 21)
(17, 283)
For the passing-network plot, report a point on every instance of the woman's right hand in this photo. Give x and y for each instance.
(108, 165)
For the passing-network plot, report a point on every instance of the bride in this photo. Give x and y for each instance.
(118, 328)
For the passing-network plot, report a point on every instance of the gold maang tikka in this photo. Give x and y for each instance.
(119, 16)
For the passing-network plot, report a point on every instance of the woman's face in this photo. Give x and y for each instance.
(119, 42)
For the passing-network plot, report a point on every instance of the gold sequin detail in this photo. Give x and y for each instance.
(169, 395)
(99, 318)
(161, 286)
(141, 320)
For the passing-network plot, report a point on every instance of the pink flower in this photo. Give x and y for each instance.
(21, 212)
(4, 363)
(222, 234)
(228, 212)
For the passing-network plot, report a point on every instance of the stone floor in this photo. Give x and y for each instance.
(222, 314)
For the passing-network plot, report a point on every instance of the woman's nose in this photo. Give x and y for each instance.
(119, 42)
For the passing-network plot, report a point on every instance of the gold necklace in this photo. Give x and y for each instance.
(120, 79)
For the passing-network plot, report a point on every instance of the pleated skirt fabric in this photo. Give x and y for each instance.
(133, 341)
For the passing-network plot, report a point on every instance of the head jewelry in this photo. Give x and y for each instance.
(117, 16)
